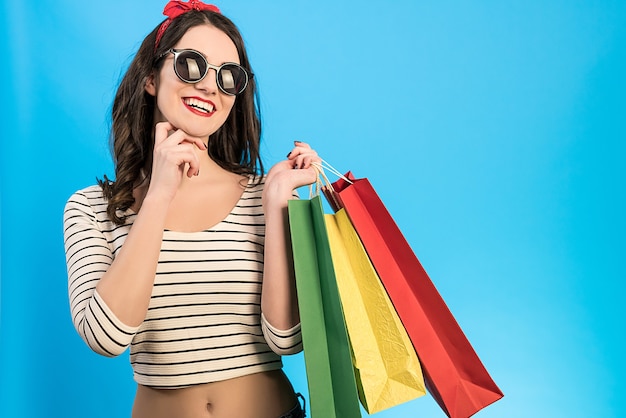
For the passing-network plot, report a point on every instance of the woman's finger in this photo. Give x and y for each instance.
(299, 148)
(301, 144)
(162, 132)
(165, 131)
(305, 160)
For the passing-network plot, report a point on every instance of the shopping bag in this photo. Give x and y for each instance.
(453, 373)
(332, 387)
(386, 367)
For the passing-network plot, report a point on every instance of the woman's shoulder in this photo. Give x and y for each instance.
(91, 196)
(89, 201)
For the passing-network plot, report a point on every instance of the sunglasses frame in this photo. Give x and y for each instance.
(217, 69)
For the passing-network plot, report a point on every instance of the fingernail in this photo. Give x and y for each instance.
(288, 154)
(297, 142)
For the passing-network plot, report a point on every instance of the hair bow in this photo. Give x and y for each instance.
(175, 8)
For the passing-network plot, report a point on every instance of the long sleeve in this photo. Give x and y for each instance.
(282, 342)
(88, 256)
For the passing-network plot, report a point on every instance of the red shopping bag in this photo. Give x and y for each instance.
(454, 375)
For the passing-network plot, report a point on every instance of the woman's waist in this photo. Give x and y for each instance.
(268, 391)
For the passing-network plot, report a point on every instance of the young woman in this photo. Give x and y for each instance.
(185, 257)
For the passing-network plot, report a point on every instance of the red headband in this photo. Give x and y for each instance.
(175, 8)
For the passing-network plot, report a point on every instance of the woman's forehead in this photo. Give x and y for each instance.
(211, 42)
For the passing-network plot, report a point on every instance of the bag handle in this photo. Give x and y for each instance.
(324, 184)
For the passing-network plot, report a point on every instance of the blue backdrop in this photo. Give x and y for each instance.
(494, 131)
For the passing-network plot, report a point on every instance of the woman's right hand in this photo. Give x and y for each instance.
(174, 150)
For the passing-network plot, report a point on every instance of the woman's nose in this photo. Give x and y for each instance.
(209, 83)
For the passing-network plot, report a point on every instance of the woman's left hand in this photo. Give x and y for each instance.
(287, 175)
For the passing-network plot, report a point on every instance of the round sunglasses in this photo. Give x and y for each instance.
(191, 67)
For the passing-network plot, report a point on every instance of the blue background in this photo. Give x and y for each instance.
(493, 130)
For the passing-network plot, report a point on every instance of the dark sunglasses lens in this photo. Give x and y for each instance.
(190, 66)
(232, 78)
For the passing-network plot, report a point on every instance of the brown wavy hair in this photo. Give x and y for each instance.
(234, 146)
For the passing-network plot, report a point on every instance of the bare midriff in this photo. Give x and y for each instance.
(259, 395)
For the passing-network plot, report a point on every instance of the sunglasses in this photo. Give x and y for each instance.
(191, 67)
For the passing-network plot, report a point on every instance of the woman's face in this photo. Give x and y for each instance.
(201, 108)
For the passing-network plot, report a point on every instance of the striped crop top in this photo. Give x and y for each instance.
(204, 321)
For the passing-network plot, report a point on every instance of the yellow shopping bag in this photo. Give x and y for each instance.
(386, 366)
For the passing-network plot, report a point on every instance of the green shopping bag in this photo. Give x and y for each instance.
(327, 357)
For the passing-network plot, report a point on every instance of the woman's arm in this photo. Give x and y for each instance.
(127, 285)
(109, 295)
(279, 302)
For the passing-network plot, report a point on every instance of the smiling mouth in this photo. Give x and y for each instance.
(199, 105)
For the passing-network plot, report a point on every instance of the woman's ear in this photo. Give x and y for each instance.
(150, 85)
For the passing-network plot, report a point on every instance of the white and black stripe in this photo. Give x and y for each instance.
(204, 322)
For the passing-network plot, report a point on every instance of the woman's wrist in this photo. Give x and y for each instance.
(275, 198)
(155, 204)
(157, 197)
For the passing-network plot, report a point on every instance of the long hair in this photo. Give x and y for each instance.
(234, 146)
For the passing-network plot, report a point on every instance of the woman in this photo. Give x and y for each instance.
(185, 257)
